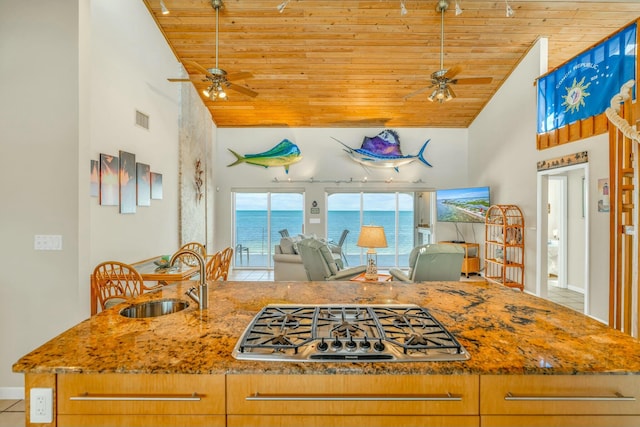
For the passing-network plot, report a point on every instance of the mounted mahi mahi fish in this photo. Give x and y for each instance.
(284, 154)
(383, 151)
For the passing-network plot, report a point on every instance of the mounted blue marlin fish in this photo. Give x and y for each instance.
(383, 151)
(284, 154)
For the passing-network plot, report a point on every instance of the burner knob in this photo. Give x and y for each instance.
(322, 345)
(365, 345)
(336, 344)
(350, 345)
(378, 346)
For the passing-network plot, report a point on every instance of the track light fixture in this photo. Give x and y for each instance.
(403, 9)
(282, 6)
(509, 12)
(163, 7)
(458, 9)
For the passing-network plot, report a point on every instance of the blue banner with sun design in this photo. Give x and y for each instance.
(584, 86)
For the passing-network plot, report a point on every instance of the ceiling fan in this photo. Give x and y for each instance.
(442, 79)
(218, 78)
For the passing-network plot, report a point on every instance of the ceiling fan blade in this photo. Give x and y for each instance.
(417, 92)
(451, 72)
(179, 80)
(242, 89)
(472, 81)
(201, 69)
(241, 75)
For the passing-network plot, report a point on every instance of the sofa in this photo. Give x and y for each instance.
(287, 263)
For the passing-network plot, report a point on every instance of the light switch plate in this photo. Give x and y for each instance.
(44, 242)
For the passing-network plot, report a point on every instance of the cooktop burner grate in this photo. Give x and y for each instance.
(347, 333)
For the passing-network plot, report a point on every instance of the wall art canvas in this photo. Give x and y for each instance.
(127, 182)
(156, 186)
(109, 171)
(94, 183)
(143, 184)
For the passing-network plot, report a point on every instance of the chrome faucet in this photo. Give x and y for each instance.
(200, 297)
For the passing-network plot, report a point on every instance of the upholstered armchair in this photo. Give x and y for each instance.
(321, 264)
(431, 263)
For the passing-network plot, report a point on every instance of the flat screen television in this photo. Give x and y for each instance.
(462, 204)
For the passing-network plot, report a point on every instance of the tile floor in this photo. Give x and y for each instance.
(566, 297)
(12, 413)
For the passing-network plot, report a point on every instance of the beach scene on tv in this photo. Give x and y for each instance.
(462, 204)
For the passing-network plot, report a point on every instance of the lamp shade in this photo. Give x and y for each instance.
(372, 236)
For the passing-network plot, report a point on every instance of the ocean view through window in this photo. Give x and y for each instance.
(258, 218)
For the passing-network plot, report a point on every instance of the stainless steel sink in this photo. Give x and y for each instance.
(154, 308)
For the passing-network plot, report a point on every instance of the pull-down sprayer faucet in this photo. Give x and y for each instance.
(200, 297)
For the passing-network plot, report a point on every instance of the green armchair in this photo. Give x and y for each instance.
(321, 264)
(432, 263)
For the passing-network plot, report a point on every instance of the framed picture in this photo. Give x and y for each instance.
(127, 182)
(603, 195)
(156, 186)
(94, 183)
(143, 182)
(109, 171)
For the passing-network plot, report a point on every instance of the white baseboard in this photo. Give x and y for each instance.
(575, 288)
(11, 393)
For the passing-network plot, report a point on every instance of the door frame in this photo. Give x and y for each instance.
(542, 255)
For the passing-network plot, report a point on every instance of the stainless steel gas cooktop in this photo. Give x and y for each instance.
(347, 333)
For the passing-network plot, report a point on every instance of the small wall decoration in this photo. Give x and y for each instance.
(109, 170)
(560, 162)
(156, 186)
(143, 184)
(383, 151)
(127, 182)
(285, 153)
(94, 183)
(603, 195)
(198, 180)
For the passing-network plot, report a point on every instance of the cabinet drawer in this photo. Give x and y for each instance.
(560, 394)
(111, 394)
(352, 421)
(353, 394)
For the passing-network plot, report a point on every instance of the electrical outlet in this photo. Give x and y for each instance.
(41, 405)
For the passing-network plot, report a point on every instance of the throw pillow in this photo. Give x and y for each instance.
(328, 257)
(286, 246)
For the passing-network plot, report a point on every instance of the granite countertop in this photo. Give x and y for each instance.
(504, 330)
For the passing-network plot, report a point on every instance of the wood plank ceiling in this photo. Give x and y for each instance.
(348, 63)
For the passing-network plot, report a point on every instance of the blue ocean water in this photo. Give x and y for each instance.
(252, 229)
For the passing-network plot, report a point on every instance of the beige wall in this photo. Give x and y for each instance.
(73, 74)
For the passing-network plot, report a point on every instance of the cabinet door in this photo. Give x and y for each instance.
(164, 420)
(352, 394)
(560, 394)
(116, 394)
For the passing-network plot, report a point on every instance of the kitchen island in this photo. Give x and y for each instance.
(532, 362)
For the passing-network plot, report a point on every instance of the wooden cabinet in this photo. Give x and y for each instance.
(140, 400)
(471, 261)
(352, 400)
(559, 400)
(504, 246)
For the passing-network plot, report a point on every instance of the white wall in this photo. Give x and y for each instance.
(73, 73)
(503, 154)
(324, 159)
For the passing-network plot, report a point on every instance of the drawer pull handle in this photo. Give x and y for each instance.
(354, 397)
(138, 397)
(617, 397)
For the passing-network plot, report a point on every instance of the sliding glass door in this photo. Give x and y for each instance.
(258, 220)
(392, 210)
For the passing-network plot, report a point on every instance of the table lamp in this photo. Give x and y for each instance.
(372, 236)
